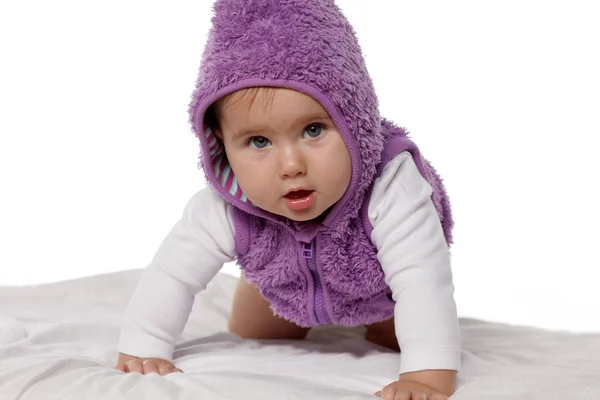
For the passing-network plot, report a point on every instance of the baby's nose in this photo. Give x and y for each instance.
(292, 163)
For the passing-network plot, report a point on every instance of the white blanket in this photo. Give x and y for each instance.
(58, 341)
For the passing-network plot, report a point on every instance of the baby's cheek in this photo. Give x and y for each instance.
(340, 172)
(259, 194)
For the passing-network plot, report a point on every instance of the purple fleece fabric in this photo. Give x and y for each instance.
(309, 46)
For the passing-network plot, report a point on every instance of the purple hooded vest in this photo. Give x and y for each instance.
(311, 272)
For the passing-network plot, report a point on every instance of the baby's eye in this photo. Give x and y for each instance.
(313, 131)
(259, 142)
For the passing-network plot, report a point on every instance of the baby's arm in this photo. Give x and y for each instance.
(416, 261)
(186, 261)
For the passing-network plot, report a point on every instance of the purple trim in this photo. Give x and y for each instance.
(364, 211)
(327, 300)
(319, 302)
(308, 232)
(392, 148)
(308, 251)
(395, 146)
(242, 226)
(385, 303)
(322, 306)
(310, 306)
(330, 107)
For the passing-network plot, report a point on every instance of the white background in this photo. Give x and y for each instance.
(97, 158)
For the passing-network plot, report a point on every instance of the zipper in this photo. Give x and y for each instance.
(308, 252)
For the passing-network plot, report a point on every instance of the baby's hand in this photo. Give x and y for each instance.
(407, 390)
(127, 363)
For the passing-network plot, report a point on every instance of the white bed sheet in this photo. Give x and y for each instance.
(58, 341)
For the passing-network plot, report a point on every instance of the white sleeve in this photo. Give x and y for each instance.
(416, 261)
(188, 258)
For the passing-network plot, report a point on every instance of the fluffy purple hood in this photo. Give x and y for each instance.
(305, 45)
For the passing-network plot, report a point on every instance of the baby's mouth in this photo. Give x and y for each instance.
(300, 199)
(298, 194)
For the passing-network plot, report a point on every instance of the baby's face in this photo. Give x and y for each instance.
(288, 156)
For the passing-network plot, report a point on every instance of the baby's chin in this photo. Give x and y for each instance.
(295, 215)
(303, 218)
(298, 216)
(317, 215)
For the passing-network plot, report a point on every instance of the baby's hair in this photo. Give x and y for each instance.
(213, 112)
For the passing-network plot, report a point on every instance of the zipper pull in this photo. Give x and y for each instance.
(307, 250)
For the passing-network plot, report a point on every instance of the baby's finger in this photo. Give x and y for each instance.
(420, 396)
(149, 367)
(438, 396)
(391, 393)
(164, 369)
(400, 394)
(120, 367)
(175, 369)
(135, 365)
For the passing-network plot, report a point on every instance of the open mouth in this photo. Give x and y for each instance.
(300, 199)
(298, 194)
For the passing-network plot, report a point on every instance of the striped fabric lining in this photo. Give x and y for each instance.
(223, 172)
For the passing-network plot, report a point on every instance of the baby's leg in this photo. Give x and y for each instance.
(252, 318)
(383, 333)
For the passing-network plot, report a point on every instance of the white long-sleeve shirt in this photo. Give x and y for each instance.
(410, 246)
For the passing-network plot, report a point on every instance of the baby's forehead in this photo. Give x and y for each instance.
(267, 100)
(245, 99)
(274, 110)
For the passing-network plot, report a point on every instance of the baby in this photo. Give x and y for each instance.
(331, 212)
